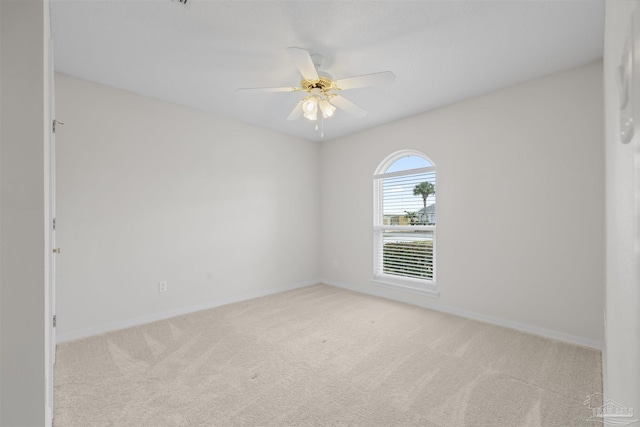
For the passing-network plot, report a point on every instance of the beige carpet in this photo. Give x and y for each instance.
(322, 356)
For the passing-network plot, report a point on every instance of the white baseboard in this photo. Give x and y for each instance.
(114, 326)
(410, 299)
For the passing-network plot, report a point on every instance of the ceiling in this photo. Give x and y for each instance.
(441, 52)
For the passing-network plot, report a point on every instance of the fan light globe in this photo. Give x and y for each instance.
(327, 109)
(309, 105)
(311, 116)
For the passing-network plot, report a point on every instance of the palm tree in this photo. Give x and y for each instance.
(424, 189)
(411, 216)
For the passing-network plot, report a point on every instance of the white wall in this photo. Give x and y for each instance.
(24, 247)
(622, 352)
(520, 192)
(150, 191)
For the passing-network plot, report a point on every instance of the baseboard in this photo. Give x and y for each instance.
(535, 330)
(85, 333)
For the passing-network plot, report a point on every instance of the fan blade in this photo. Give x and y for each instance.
(297, 111)
(303, 61)
(348, 106)
(268, 89)
(364, 80)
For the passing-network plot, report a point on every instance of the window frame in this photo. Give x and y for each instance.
(408, 284)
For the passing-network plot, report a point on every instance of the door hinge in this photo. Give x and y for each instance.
(55, 124)
(54, 320)
(54, 223)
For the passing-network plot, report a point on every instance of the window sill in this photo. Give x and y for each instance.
(418, 287)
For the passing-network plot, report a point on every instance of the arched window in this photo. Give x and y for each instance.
(405, 221)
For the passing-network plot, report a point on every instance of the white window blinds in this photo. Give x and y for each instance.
(407, 253)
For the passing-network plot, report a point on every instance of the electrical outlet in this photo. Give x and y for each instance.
(162, 286)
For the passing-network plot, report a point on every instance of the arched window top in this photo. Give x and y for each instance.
(407, 163)
(404, 160)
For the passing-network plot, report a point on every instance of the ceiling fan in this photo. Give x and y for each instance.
(323, 91)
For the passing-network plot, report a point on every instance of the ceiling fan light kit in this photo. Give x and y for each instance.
(311, 104)
(322, 88)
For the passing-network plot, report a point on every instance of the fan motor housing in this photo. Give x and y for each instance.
(323, 83)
